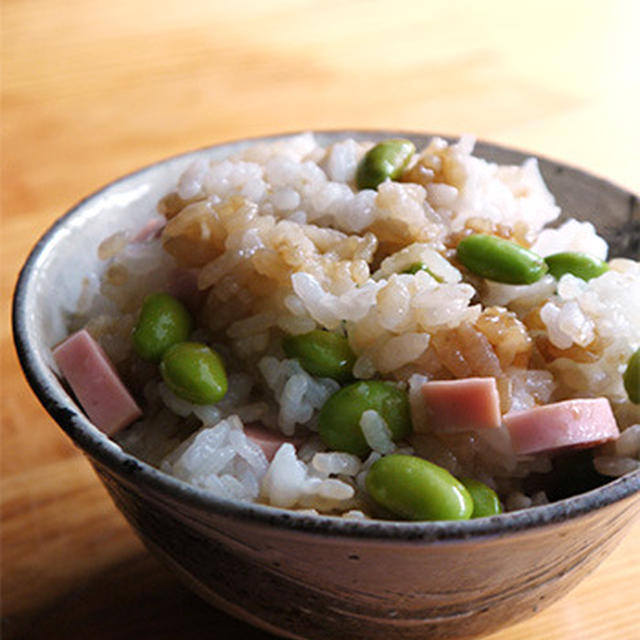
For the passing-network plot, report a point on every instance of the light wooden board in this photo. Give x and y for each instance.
(92, 90)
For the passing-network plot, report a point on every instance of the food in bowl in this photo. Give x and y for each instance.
(364, 330)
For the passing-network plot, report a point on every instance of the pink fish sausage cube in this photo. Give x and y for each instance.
(461, 405)
(581, 423)
(269, 441)
(150, 230)
(183, 284)
(95, 382)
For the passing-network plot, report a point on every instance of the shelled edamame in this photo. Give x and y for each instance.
(192, 370)
(339, 418)
(163, 321)
(322, 353)
(419, 266)
(415, 489)
(581, 265)
(385, 161)
(631, 377)
(485, 499)
(500, 260)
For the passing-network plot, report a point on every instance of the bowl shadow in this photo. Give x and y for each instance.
(135, 598)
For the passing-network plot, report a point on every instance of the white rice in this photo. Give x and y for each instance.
(289, 483)
(221, 459)
(376, 432)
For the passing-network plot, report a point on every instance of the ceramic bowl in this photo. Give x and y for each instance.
(301, 576)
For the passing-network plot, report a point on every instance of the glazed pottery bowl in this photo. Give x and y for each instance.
(303, 576)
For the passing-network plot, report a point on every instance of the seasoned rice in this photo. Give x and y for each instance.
(276, 240)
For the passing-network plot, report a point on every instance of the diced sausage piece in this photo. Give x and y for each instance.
(269, 441)
(581, 423)
(95, 382)
(461, 405)
(150, 230)
(183, 284)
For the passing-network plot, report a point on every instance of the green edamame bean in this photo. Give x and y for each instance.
(416, 489)
(322, 353)
(420, 266)
(386, 160)
(581, 265)
(631, 377)
(339, 418)
(498, 259)
(485, 499)
(194, 372)
(163, 321)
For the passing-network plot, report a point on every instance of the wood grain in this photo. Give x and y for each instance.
(92, 90)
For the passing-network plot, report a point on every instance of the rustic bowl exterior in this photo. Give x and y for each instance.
(301, 576)
(301, 582)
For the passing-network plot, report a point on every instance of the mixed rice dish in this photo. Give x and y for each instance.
(365, 331)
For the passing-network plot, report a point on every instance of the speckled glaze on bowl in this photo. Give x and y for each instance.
(318, 577)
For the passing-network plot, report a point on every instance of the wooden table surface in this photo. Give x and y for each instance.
(92, 90)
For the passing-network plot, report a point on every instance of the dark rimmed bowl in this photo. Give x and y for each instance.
(301, 576)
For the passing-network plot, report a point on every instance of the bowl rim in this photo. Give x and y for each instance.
(134, 472)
